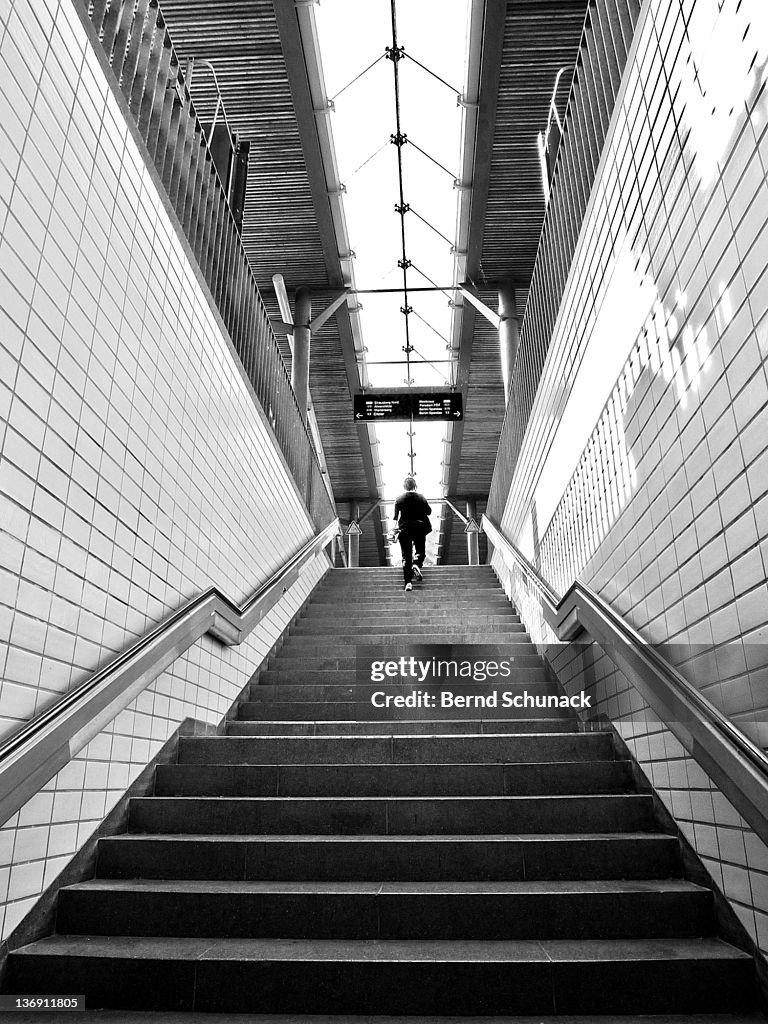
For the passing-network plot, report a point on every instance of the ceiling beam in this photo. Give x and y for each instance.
(494, 20)
(292, 45)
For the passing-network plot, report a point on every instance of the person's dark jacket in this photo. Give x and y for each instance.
(412, 512)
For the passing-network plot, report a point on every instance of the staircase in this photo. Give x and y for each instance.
(326, 857)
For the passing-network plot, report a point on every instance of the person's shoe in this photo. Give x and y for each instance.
(408, 587)
(417, 574)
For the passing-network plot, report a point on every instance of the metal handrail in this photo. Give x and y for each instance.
(32, 756)
(737, 766)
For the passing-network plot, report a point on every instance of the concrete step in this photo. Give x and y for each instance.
(425, 621)
(323, 612)
(470, 574)
(434, 708)
(336, 692)
(479, 748)
(630, 812)
(565, 777)
(429, 593)
(668, 908)
(285, 662)
(307, 647)
(428, 589)
(430, 582)
(388, 727)
(402, 636)
(374, 574)
(382, 572)
(300, 671)
(389, 976)
(399, 599)
(407, 626)
(467, 858)
(129, 1017)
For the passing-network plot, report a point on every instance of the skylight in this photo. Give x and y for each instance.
(433, 33)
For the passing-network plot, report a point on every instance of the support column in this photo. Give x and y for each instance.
(301, 343)
(473, 545)
(509, 334)
(353, 536)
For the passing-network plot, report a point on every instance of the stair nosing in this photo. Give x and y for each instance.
(405, 951)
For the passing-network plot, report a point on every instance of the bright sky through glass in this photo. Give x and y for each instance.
(434, 32)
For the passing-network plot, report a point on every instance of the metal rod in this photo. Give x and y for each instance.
(428, 362)
(435, 162)
(431, 226)
(368, 159)
(357, 77)
(428, 278)
(431, 72)
(434, 331)
(395, 56)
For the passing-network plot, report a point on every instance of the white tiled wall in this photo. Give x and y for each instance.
(653, 487)
(135, 469)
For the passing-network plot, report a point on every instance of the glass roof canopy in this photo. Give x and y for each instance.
(434, 33)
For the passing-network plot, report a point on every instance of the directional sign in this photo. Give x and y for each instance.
(448, 406)
(382, 407)
(422, 405)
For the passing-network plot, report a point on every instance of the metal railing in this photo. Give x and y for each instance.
(606, 40)
(736, 765)
(140, 53)
(37, 752)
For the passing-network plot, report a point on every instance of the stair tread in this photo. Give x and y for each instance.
(440, 837)
(421, 721)
(244, 724)
(389, 766)
(382, 950)
(133, 1017)
(362, 735)
(374, 888)
(394, 729)
(482, 798)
